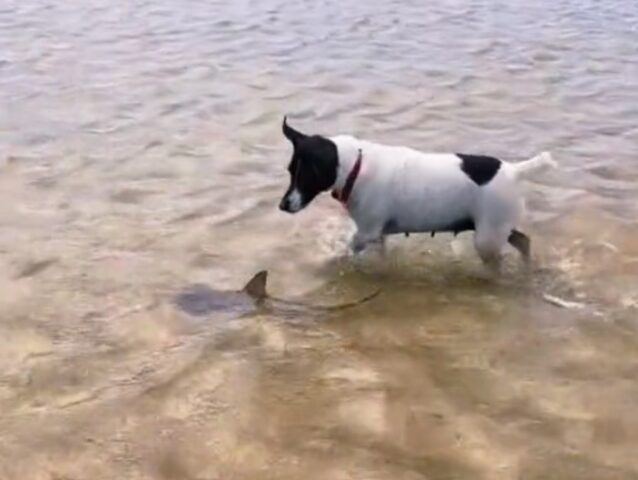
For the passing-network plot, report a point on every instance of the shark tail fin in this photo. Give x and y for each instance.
(256, 287)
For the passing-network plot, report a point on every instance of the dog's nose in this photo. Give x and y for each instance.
(284, 205)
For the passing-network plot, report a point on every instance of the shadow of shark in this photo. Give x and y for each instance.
(200, 299)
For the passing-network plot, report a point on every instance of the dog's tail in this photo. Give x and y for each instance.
(529, 167)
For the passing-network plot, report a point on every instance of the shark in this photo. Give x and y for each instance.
(201, 300)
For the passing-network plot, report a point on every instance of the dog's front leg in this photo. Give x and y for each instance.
(363, 238)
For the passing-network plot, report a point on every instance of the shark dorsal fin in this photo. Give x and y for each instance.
(256, 287)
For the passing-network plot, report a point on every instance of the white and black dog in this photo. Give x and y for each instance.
(395, 189)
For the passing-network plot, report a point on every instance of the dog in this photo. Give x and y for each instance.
(398, 190)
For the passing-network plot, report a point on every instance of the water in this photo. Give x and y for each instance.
(140, 152)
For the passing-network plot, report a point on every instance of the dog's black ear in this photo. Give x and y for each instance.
(291, 134)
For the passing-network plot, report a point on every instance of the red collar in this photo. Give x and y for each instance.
(343, 195)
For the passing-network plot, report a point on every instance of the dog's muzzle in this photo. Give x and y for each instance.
(292, 202)
(284, 205)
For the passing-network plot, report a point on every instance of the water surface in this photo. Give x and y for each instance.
(140, 152)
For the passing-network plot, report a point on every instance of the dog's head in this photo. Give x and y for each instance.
(312, 168)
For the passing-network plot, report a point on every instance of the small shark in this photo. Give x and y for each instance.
(199, 299)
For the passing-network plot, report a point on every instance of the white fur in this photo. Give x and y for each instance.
(424, 192)
(539, 162)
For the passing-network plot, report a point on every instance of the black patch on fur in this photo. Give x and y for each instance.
(480, 168)
(313, 167)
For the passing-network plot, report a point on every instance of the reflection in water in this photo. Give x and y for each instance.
(141, 151)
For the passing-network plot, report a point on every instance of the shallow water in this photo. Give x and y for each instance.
(140, 152)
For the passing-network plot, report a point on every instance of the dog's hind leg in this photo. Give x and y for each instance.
(520, 242)
(489, 243)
